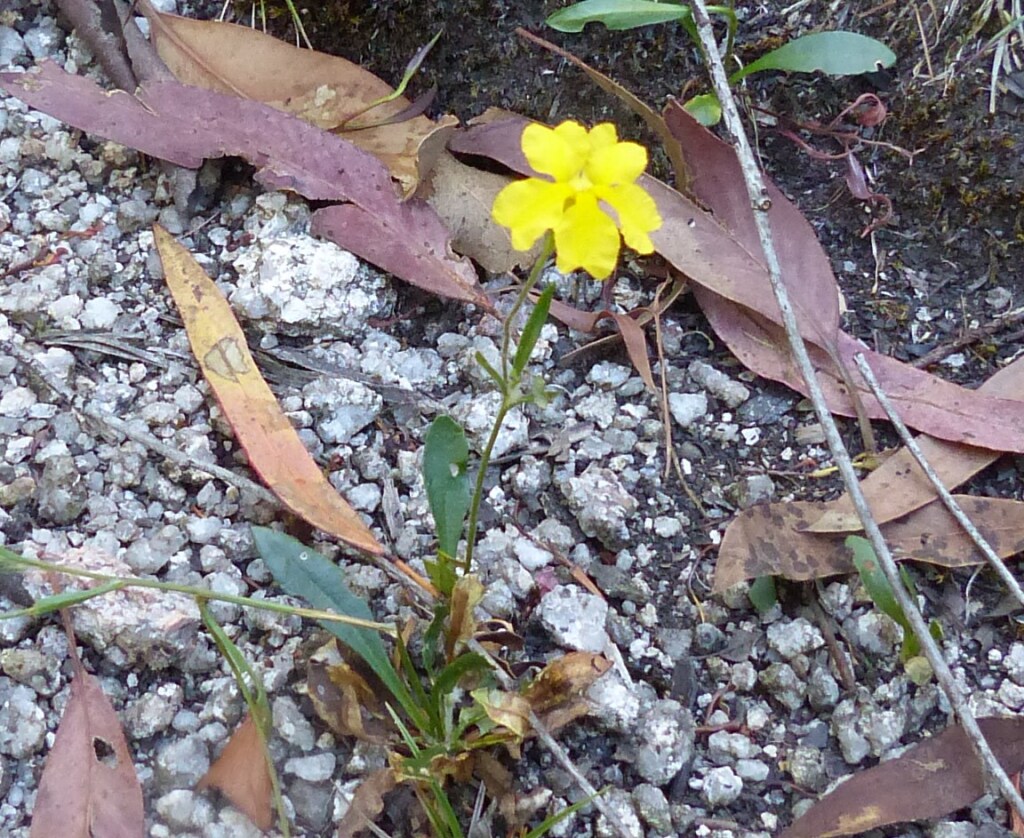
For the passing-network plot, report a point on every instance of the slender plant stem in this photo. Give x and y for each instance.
(758, 194)
(547, 249)
(189, 590)
(509, 397)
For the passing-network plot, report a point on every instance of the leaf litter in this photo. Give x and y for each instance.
(89, 787)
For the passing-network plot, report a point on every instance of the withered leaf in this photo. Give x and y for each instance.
(933, 778)
(273, 446)
(186, 125)
(322, 89)
(89, 786)
(344, 699)
(367, 803)
(898, 486)
(772, 540)
(241, 774)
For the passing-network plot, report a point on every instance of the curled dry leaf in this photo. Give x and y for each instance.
(89, 786)
(772, 540)
(240, 773)
(932, 779)
(324, 90)
(275, 450)
(367, 803)
(344, 699)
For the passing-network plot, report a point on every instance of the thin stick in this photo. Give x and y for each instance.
(761, 204)
(944, 494)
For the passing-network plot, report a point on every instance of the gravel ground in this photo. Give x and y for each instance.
(717, 721)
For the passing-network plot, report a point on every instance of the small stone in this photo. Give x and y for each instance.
(602, 505)
(665, 734)
(794, 637)
(32, 668)
(531, 556)
(875, 632)
(99, 313)
(620, 803)
(574, 618)
(291, 725)
(23, 726)
(12, 46)
(181, 763)
(184, 809)
(315, 768)
(614, 703)
(752, 770)
(1014, 663)
(752, 490)
(17, 402)
(312, 802)
(345, 407)
(822, 689)
(783, 684)
(724, 747)
(18, 490)
(732, 393)
(62, 493)
(153, 711)
(687, 408)
(806, 765)
(722, 786)
(653, 809)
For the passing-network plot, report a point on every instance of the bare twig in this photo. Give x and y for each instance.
(944, 494)
(761, 204)
(987, 330)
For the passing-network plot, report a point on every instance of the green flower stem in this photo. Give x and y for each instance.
(9, 559)
(547, 248)
(510, 396)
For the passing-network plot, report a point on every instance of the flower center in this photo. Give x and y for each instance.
(580, 182)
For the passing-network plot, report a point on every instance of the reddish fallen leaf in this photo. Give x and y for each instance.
(772, 540)
(898, 486)
(186, 125)
(274, 448)
(933, 778)
(240, 773)
(89, 787)
(325, 90)
(636, 347)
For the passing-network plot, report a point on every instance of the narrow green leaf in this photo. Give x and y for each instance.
(304, 573)
(615, 14)
(445, 458)
(491, 371)
(833, 53)
(762, 593)
(875, 581)
(531, 331)
(706, 109)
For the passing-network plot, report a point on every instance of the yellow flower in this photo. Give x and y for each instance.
(591, 197)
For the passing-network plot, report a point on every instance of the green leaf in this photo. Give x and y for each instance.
(876, 583)
(762, 594)
(445, 458)
(706, 109)
(833, 53)
(531, 331)
(496, 376)
(304, 573)
(615, 14)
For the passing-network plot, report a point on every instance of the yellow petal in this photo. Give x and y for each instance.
(637, 213)
(602, 135)
(586, 238)
(529, 208)
(618, 163)
(559, 152)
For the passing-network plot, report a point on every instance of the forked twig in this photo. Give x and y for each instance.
(761, 204)
(944, 494)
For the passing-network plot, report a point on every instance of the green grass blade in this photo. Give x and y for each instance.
(531, 331)
(617, 15)
(833, 53)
